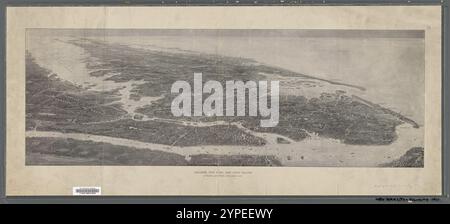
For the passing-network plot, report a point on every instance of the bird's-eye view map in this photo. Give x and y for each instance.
(347, 98)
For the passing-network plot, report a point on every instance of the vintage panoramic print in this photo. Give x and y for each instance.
(105, 97)
(183, 101)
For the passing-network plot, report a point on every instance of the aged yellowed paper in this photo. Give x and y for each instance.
(141, 100)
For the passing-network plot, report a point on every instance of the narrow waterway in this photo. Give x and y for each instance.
(314, 151)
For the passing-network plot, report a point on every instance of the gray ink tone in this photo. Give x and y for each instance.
(242, 33)
(412, 158)
(102, 97)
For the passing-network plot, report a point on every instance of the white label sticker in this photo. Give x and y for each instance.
(86, 191)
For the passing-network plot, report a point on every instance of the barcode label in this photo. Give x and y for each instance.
(86, 191)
